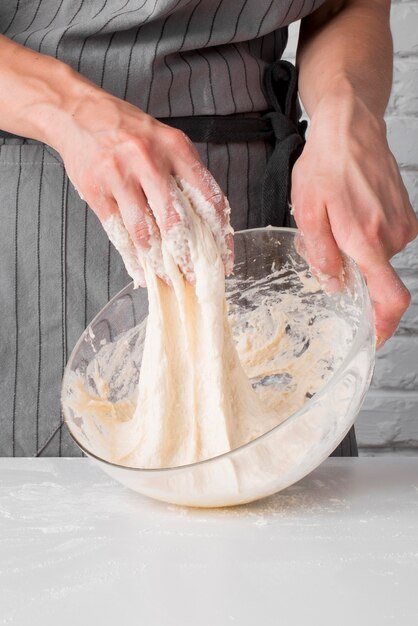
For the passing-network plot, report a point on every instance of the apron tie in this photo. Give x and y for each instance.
(280, 84)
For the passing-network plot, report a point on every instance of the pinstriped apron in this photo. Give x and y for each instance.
(170, 58)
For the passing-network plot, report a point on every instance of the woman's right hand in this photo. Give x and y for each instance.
(130, 168)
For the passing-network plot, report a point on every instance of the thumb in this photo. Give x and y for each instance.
(317, 245)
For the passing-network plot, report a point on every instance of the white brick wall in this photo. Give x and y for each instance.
(388, 421)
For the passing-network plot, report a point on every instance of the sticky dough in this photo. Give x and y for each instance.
(194, 399)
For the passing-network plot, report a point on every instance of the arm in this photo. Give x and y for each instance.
(123, 161)
(347, 190)
(346, 44)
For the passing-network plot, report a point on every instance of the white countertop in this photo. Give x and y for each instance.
(340, 547)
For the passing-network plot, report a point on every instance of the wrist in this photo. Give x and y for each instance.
(345, 104)
(343, 98)
(52, 113)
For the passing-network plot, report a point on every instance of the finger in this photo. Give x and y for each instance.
(210, 203)
(317, 244)
(115, 229)
(158, 192)
(137, 216)
(158, 188)
(389, 295)
(140, 224)
(171, 210)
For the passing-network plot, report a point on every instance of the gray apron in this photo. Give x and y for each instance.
(170, 58)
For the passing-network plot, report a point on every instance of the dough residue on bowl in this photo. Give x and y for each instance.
(193, 383)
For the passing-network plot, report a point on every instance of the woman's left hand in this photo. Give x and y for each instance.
(348, 194)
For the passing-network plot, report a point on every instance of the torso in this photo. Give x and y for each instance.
(168, 57)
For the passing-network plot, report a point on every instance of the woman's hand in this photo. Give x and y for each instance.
(135, 173)
(347, 194)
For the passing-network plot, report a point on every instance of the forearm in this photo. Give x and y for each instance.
(345, 47)
(39, 94)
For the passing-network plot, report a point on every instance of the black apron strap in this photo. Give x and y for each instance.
(280, 82)
(222, 128)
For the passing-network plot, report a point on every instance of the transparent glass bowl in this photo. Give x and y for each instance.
(267, 267)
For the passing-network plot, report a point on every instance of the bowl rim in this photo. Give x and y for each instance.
(360, 332)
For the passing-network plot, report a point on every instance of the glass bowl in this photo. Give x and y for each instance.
(268, 270)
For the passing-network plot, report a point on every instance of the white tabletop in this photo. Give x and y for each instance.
(340, 547)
